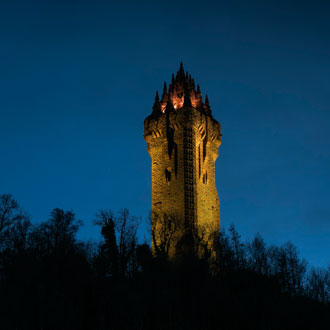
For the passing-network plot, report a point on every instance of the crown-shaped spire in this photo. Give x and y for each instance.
(180, 76)
(181, 92)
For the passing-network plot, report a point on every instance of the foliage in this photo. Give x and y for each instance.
(51, 280)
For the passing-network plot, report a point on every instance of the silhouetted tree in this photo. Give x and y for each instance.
(238, 248)
(318, 284)
(288, 268)
(258, 255)
(120, 234)
(164, 228)
(107, 261)
(224, 252)
(126, 227)
(54, 281)
(14, 224)
(14, 230)
(204, 241)
(144, 257)
(58, 234)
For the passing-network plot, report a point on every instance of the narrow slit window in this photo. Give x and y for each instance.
(199, 160)
(205, 177)
(168, 175)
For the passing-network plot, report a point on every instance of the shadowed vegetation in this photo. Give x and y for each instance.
(51, 280)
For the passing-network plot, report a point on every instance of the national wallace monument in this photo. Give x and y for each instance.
(183, 140)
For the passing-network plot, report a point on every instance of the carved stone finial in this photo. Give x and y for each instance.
(199, 93)
(207, 100)
(165, 88)
(187, 100)
(207, 107)
(156, 106)
(156, 97)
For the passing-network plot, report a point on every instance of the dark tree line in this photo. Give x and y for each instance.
(51, 280)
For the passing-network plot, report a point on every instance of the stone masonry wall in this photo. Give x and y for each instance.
(183, 146)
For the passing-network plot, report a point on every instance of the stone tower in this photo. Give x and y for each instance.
(183, 140)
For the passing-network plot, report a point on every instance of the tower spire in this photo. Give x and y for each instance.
(165, 94)
(156, 97)
(180, 76)
(207, 107)
(164, 88)
(156, 106)
(207, 100)
(199, 93)
(187, 100)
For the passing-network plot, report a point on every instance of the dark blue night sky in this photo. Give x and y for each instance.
(77, 79)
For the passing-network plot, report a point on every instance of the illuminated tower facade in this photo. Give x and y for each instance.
(183, 140)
